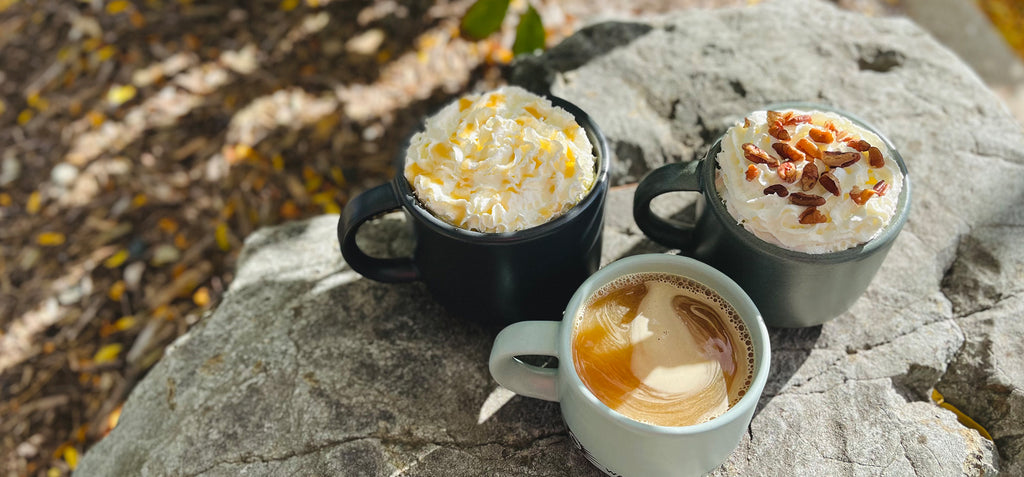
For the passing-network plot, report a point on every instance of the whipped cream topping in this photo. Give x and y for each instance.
(843, 222)
(501, 161)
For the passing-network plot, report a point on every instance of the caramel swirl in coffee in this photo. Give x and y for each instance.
(662, 349)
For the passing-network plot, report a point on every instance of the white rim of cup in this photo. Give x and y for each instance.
(662, 263)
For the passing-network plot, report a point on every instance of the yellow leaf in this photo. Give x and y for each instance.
(124, 323)
(139, 200)
(181, 241)
(960, 416)
(53, 472)
(288, 5)
(278, 162)
(338, 176)
(5, 199)
(35, 201)
(107, 353)
(137, 20)
(3, 107)
(113, 417)
(116, 291)
(106, 53)
(25, 116)
(119, 95)
(91, 44)
(332, 208)
(82, 432)
(168, 225)
(50, 239)
(5, 4)
(96, 118)
(117, 259)
(201, 297)
(117, 6)
(313, 180)
(221, 235)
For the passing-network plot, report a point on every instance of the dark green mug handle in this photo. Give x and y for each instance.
(673, 177)
(363, 207)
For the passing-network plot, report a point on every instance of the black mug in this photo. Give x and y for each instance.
(490, 278)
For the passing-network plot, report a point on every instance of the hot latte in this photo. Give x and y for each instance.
(662, 349)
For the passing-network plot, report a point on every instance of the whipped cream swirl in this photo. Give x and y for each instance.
(774, 218)
(502, 161)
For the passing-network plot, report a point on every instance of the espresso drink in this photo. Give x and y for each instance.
(662, 349)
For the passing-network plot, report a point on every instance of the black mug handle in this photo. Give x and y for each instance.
(364, 207)
(672, 177)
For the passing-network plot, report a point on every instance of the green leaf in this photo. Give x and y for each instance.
(483, 18)
(529, 33)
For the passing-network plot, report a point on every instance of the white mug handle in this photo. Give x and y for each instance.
(538, 338)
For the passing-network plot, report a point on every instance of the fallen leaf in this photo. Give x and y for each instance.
(201, 297)
(116, 291)
(117, 259)
(117, 6)
(50, 239)
(221, 234)
(35, 201)
(107, 353)
(119, 95)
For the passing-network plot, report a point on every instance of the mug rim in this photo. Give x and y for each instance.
(413, 206)
(686, 267)
(888, 233)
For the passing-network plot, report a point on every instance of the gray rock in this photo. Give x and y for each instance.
(306, 368)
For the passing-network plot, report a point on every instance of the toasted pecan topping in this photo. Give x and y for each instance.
(752, 172)
(774, 117)
(800, 198)
(859, 144)
(840, 159)
(861, 196)
(809, 177)
(821, 135)
(812, 216)
(831, 184)
(788, 152)
(778, 131)
(788, 172)
(881, 188)
(777, 189)
(791, 118)
(808, 147)
(746, 122)
(757, 155)
(875, 158)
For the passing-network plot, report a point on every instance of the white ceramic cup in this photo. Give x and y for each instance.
(613, 442)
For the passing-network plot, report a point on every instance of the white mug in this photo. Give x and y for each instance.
(614, 443)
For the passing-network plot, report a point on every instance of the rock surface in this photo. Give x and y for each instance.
(306, 368)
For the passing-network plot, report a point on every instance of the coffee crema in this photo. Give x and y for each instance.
(662, 349)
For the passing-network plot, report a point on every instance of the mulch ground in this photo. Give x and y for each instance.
(142, 141)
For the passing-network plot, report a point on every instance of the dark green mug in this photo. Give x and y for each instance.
(792, 289)
(491, 278)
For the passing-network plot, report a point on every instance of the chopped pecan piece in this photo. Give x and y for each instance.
(808, 147)
(809, 177)
(861, 196)
(774, 117)
(800, 198)
(777, 189)
(881, 188)
(858, 144)
(840, 159)
(752, 172)
(746, 122)
(791, 118)
(757, 155)
(787, 172)
(788, 152)
(875, 157)
(821, 135)
(830, 183)
(812, 216)
(778, 131)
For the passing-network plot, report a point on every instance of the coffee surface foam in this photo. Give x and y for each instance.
(502, 161)
(662, 349)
